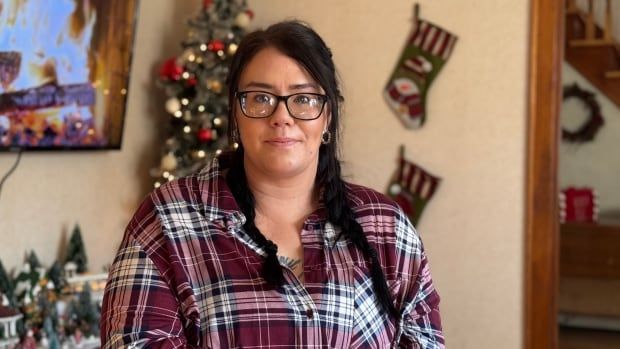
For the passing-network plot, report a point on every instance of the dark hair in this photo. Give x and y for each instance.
(300, 42)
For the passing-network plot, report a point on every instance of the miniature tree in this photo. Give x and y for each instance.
(76, 252)
(84, 312)
(33, 260)
(6, 286)
(54, 274)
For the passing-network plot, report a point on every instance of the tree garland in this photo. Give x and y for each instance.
(595, 121)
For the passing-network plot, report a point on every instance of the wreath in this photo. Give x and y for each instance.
(588, 130)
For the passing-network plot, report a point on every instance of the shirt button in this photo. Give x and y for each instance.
(309, 313)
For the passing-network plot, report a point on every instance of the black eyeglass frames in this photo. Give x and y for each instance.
(261, 104)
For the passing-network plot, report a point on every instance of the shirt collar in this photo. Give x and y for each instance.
(221, 204)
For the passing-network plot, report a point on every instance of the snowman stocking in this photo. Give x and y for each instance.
(427, 50)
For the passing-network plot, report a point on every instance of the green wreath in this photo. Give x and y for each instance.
(587, 131)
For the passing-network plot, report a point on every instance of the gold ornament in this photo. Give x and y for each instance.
(232, 48)
(169, 162)
(214, 85)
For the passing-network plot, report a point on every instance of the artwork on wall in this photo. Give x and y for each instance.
(64, 72)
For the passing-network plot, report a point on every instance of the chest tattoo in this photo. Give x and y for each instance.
(294, 265)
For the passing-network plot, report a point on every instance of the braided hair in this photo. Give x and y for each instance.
(300, 42)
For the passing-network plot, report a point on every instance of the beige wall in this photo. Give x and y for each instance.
(474, 138)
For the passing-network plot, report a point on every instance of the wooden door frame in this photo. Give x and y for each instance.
(541, 213)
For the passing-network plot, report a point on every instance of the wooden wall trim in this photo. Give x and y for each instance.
(541, 221)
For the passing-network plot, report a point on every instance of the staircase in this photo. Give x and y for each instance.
(591, 48)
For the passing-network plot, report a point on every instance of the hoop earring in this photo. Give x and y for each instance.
(326, 137)
(234, 138)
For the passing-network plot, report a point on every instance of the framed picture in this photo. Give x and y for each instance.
(64, 73)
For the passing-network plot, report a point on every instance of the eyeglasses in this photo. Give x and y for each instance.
(261, 104)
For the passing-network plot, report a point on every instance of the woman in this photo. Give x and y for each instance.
(268, 246)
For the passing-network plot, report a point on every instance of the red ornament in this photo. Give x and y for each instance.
(191, 82)
(205, 135)
(170, 70)
(250, 13)
(215, 45)
(207, 3)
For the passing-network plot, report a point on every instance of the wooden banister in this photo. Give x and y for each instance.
(590, 37)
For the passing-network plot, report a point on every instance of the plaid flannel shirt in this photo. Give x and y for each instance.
(188, 276)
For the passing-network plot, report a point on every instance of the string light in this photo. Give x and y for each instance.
(187, 129)
(201, 108)
(124, 91)
(217, 121)
(185, 101)
(203, 47)
(166, 174)
(191, 57)
(218, 152)
(157, 184)
(185, 75)
(178, 114)
(201, 154)
(171, 177)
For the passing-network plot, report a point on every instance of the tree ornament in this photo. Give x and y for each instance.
(232, 49)
(205, 135)
(173, 105)
(189, 55)
(170, 70)
(243, 19)
(169, 162)
(215, 45)
(595, 121)
(214, 85)
(207, 3)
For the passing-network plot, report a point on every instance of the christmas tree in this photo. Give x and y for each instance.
(195, 85)
(76, 252)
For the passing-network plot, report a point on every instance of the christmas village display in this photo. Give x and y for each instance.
(54, 308)
(195, 84)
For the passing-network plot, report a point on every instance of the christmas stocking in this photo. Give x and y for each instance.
(425, 53)
(412, 188)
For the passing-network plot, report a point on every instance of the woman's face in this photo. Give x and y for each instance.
(279, 146)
